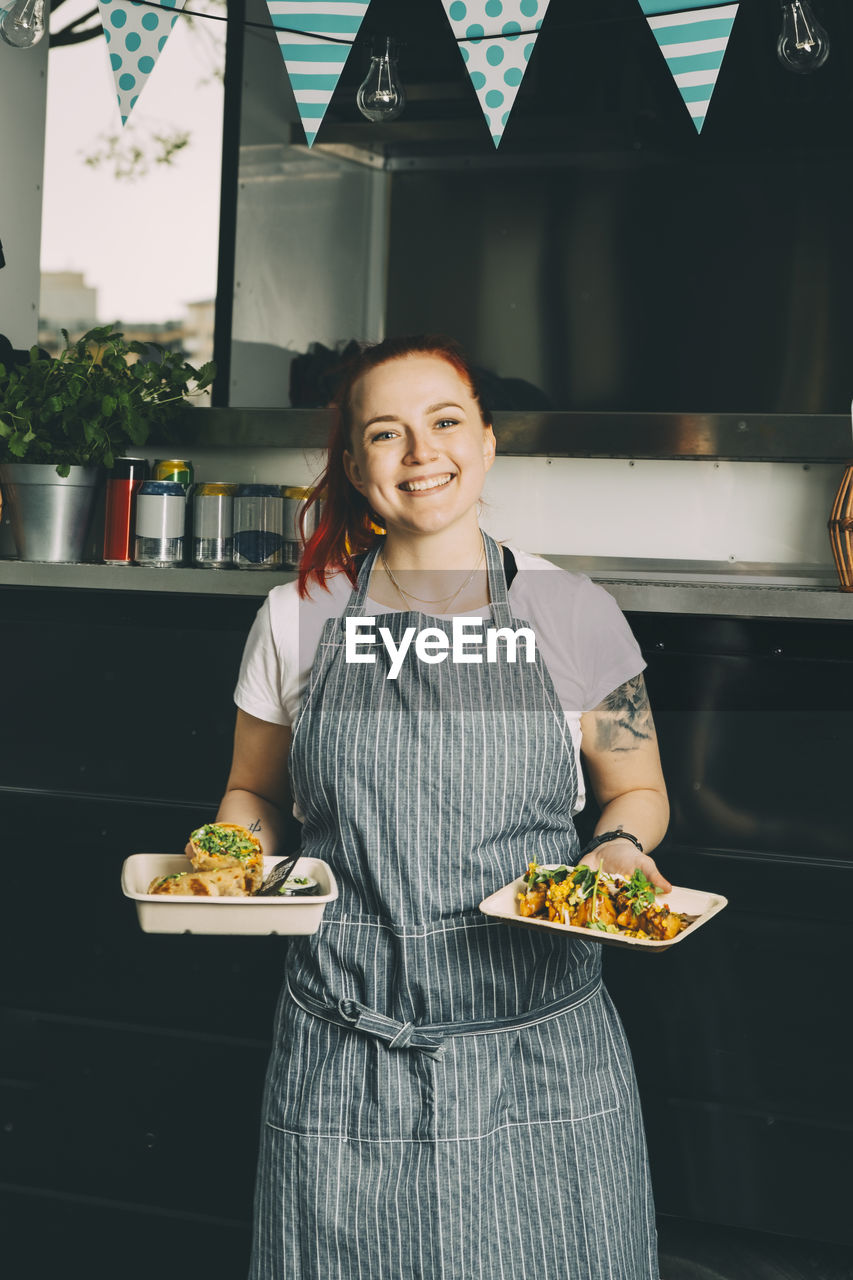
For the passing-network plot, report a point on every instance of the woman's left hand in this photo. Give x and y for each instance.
(621, 858)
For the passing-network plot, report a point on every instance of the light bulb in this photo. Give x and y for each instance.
(381, 95)
(22, 26)
(803, 45)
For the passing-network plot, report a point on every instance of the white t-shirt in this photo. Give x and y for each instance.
(581, 634)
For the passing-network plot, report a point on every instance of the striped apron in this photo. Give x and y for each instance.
(447, 1096)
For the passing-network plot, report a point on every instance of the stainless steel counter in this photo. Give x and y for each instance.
(644, 591)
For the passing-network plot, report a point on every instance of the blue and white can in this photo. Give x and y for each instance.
(258, 526)
(160, 523)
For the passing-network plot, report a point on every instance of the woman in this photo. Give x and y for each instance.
(447, 1096)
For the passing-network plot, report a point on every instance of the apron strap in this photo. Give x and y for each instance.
(357, 1017)
(431, 1038)
(355, 607)
(501, 612)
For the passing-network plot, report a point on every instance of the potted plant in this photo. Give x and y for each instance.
(64, 419)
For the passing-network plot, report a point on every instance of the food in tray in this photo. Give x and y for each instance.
(590, 899)
(227, 882)
(228, 862)
(298, 887)
(218, 845)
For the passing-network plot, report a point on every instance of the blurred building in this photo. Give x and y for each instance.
(198, 331)
(66, 302)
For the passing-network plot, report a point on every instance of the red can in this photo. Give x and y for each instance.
(123, 482)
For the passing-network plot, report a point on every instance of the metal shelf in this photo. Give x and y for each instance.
(745, 437)
(109, 577)
(636, 591)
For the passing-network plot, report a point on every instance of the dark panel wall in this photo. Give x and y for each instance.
(670, 282)
(740, 1050)
(132, 1064)
(608, 254)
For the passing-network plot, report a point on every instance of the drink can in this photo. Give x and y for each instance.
(213, 524)
(258, 526)
(295, 497)
(160, 521)
(179, 469)
(123, 484)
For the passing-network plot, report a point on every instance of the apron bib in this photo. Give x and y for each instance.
(438, 1077)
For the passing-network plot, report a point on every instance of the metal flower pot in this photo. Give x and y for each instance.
(49, 514)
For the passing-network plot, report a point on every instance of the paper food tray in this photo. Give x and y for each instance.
(503, 905)
(163, 914)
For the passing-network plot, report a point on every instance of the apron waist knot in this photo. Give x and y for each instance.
(397, 1035)
(432, 1037)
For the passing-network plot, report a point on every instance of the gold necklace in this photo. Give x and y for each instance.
(407, 596)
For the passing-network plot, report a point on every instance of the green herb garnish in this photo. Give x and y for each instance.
(595, 894)
(215, 840)
(639, 893)
(584, 879)
(537, 876)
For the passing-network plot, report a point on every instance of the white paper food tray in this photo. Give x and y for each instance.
(164, 914)
(503, 905)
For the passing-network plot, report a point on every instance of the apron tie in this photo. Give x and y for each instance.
(398, 1035)
(432, 1039)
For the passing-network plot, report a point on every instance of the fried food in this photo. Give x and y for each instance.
(589, 899)
(224, 882)
(227, 862)
(220, 845)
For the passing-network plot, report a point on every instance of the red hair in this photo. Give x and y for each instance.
(347, 528)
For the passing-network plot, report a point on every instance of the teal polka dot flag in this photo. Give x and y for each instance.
(692, 38)
(136, 35)
(496, 39)
(315, 47)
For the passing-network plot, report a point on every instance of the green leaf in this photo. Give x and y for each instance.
(206, 374)
(68, 410)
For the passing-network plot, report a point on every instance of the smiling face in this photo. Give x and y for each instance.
(420, 449)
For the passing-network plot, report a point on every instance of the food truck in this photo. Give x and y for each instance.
(659, 302)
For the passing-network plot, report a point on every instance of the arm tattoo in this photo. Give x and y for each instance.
(623, 721)
(256, 825)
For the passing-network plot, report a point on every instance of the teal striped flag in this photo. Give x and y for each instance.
(693, 39)
(315, 37)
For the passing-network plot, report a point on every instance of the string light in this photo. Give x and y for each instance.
(381, 95)
(803, 45)
(22, 26)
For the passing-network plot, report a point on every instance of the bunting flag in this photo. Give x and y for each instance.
(496, 39)
(136, 35)
(693, 38)
(313, 63)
